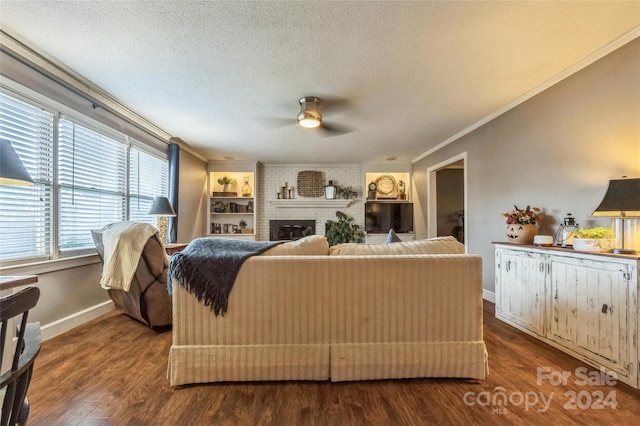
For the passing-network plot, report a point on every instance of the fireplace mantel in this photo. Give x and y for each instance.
(310, 203)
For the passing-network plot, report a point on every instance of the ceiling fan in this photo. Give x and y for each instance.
(310, 117)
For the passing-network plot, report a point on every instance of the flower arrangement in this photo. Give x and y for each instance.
(226, 180)
(529, 216)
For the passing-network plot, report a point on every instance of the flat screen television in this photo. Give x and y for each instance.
(380, 217)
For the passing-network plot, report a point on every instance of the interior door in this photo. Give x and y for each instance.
(447, 199)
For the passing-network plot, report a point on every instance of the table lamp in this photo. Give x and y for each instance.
(161, 207)
(12, 170)
(622, 202)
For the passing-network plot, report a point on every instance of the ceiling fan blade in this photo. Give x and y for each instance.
(334, 103)
(334, 129)
(275, 122)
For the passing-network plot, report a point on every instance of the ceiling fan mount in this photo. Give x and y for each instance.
(309, 116)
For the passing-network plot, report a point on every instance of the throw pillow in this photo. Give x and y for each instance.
(393, 237)
(438, 245)
(308, 246)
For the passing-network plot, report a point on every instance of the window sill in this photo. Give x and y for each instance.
(45, 266)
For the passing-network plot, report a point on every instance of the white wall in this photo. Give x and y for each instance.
(271, 177)
(557, 151)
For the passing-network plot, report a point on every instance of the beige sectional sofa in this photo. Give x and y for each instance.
(342, 314)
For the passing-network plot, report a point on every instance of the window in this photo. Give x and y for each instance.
(26, 211)
(147, 179)
(87, 175)
(92, 177)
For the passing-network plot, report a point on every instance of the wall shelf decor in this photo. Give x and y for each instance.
(228, 207)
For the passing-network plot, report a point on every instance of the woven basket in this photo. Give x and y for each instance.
(310, 184)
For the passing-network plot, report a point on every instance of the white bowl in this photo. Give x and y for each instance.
(592, 245)
(543, 240)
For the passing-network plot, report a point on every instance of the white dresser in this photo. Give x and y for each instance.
(581, 303)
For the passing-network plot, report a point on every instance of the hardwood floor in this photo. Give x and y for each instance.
(112, 371)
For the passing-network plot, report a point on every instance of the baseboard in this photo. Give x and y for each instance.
(489, 296)
(67, 323)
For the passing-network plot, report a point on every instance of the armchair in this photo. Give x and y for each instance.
(147, 300)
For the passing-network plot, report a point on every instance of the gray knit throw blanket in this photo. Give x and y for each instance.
(208, 267)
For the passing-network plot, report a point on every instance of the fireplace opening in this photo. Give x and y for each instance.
(290, 230)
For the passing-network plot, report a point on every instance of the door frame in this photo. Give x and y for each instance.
(432, 207)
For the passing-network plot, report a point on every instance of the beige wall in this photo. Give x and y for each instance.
(192, 207)
(64, 294)
(557, 151)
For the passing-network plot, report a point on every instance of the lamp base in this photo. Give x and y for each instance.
(623, 251)
(162, 225)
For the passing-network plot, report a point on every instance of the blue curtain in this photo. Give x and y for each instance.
(174, 177)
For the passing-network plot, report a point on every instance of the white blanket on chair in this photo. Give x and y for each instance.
(123, 245)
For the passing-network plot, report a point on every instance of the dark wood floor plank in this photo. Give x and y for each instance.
(112, 371)
(285, 403)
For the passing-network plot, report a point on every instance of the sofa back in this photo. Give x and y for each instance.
(336, 299)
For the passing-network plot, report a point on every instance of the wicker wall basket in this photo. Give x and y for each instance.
(310, 184)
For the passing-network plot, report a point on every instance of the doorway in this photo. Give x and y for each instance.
(447, 199)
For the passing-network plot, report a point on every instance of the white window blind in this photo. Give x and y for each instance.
(86, 175)
(26, 211)
(92, 169)
(147, 179)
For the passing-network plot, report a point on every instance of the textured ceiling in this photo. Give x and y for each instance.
(410, 74)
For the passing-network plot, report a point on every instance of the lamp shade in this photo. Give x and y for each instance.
(621, 199)
(161, 207)
(12, 171)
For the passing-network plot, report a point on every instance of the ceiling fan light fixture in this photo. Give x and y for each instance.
(309, 116)
(308, 121)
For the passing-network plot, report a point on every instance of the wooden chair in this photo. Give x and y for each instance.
(15, 381)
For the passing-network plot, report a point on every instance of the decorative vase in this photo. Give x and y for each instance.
(521, 234)
(246, 189)
(225, 187)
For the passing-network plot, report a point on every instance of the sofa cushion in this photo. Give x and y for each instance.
(312, 245)
(438, 245)
(393, 237)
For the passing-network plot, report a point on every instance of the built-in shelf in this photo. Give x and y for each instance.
(238, 209)
(311, 203)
